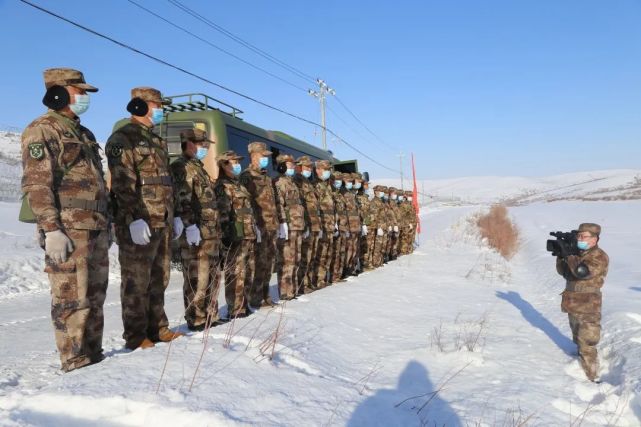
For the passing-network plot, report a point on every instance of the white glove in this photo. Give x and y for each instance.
(347, 234)
(320, 234)
(306, 233)
(411, 226)
(396, 229)
(193, 235)
(379, 232)
(336, 232)
(283, 231)
(178, 227)
(364, 230)
(58, 246)
(140, 232)
(259, 237)
(389, 229)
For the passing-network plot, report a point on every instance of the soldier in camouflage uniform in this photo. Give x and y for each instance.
(409, 224)
(259, 184)
(323, 189)
(392, 228)
(64, 185)
(239, 233)
(196, 211)
(366, 240)
(313, 231)
(341, 229)
(354, 225)
(291, 214)
(584, 275)
(379, 225)
(143, 196)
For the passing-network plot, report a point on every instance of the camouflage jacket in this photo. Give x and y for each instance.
(195, 201)
(353, 215)
(310, 202)
(595, 259)
(392, 213)
(340, 206)
(364, 207)
(259, 184)
(141, 184)
(378, 214)
(237, 218)
(327, 208)
(62, 175)
(289, 204)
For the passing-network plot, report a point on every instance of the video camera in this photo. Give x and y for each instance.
(564, 245)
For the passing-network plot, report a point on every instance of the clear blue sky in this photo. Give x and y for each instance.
(491, 87)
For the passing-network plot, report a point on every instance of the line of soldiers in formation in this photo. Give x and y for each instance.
(319, 225)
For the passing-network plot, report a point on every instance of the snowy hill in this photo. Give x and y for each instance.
(10, 166)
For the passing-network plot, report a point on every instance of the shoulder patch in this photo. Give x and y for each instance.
(115, 149)
(37, 150)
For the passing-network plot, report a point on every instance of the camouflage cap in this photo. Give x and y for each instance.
(195, 135)
(304, 161)
(594, 229)
(379, 188)
(226, 156)
(347, 177)
(391, 190)
(357, 176)
(284, 158)
(258, 147)
(338, 175)
(66, 77)
(409, 193)
(323, 164)
(149, 94)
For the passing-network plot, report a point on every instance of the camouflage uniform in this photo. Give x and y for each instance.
(342, 234)
(366, 241)
(323, 260)
(354, 226)
(290, 210)
(409, 225)
(239, 237)
(379, 226)
(397, 215)
(63, 182)
(259, 185)
(311, 241)
(392, 222)
(582, 299)
(196, 204)
(141, 189)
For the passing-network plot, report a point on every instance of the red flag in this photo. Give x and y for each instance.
(415, 198)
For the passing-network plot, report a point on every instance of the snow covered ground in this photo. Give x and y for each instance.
(452, 335)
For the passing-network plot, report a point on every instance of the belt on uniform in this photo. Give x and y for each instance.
(327, 211)
(293, 201)
(88, 205)
(209, 205)
(244, 211)
(353, 213)
(156, 180)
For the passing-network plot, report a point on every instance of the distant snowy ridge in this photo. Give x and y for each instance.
(10, 166)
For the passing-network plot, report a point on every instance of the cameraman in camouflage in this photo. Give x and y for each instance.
(584, 274)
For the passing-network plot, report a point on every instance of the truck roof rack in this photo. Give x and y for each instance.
(197, 102)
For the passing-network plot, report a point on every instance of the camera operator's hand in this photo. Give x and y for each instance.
(564, 251)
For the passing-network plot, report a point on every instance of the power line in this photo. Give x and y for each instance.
(386, 145)
(217, 47)
(196, 76)
(244, 43)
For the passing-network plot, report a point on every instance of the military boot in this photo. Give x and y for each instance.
(166, 335)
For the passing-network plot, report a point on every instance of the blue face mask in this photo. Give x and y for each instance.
(357, 186)
(236, 169)
(201, 152)
(290, 172)
(582, 245)
(157, 116)
(386, 197)
(338, 184)
(263, 162)
(325, 176)
(81, 105)
(306, 173)
(381, 195)
(348, 185)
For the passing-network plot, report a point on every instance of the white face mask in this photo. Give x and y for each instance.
(80, 105)
(409, 199)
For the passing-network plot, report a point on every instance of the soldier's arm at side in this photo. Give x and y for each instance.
(280, 202)
(123, 177)
(183, 192)
(39, 163)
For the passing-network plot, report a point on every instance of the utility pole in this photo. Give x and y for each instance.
(400, 159)
(322, 90)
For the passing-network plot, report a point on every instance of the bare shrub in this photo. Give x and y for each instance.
(500, 232)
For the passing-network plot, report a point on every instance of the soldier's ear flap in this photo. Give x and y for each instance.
(138, 107)
(56, 98)
(281, 168)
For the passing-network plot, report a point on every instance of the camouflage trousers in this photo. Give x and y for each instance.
(586, 333)
(288, 260)
(144, 271)
(365, 248)
(338, 257)
(352, 245)
(78, 289)
(238, 264)
(201, 281)
(323, 261)
(406, 242)
(379, 246)
(264, 255)
(306, 271)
